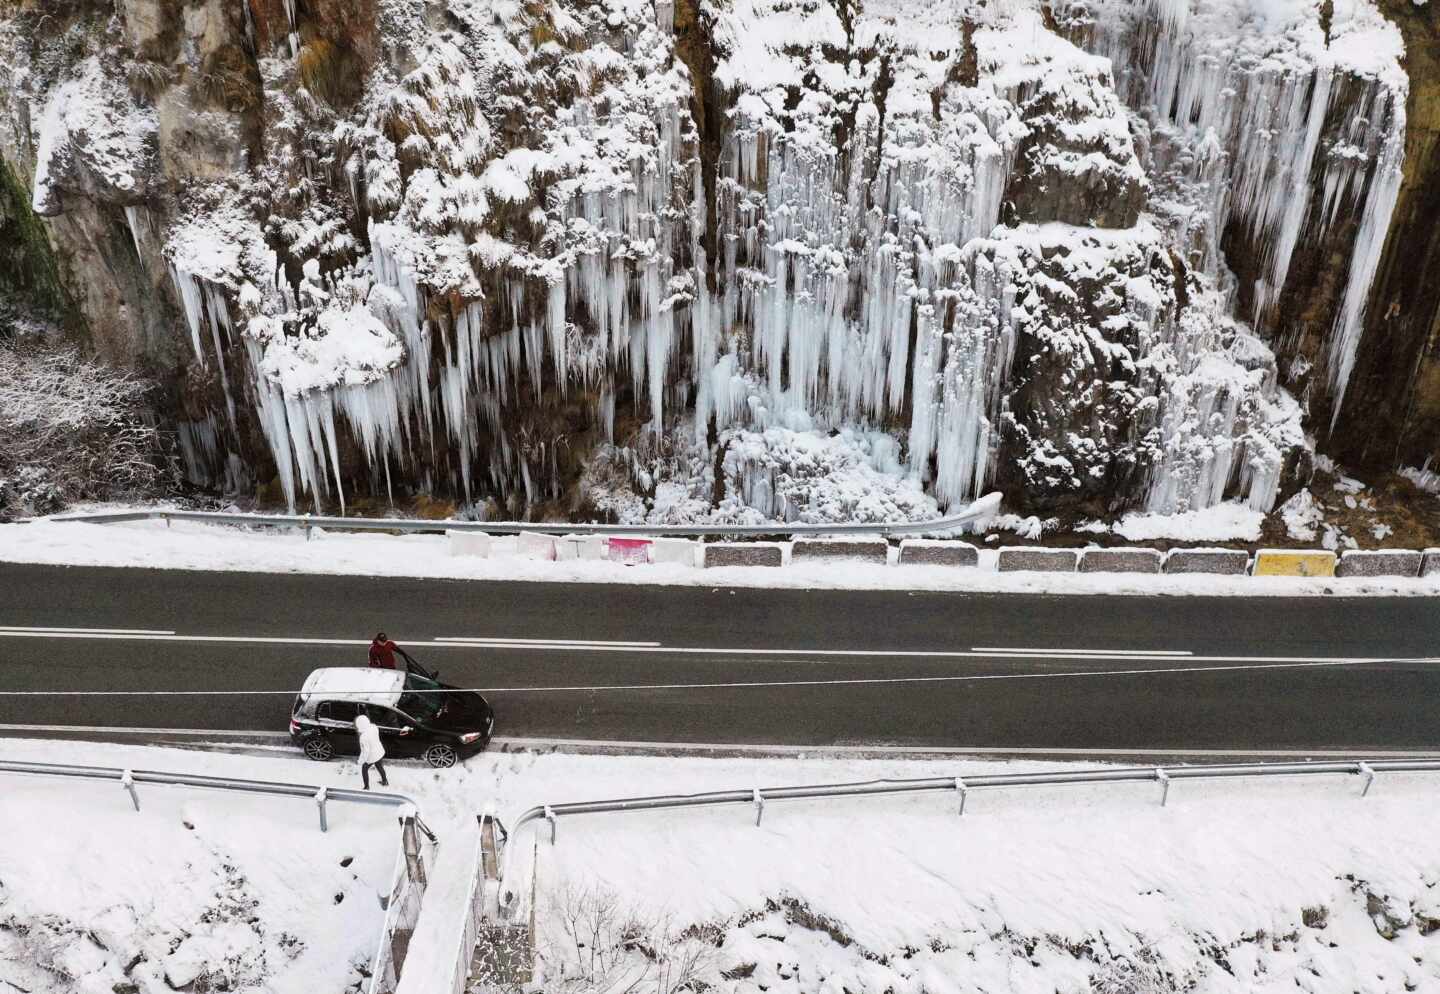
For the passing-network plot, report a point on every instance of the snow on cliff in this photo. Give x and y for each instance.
(90, 135)
(1037, 246)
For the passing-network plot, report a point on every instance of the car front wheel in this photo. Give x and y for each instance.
(441, 756)
(319, 749)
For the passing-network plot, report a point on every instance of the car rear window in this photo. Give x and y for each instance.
(337, 710)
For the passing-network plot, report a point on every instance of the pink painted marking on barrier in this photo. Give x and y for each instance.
(630, 551)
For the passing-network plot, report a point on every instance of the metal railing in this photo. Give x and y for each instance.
(131, 779)
(402, 901)
(983, 508)
(959, 786)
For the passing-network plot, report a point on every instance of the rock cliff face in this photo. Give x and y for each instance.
(755, 258)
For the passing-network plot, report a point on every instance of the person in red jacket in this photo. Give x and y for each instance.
(382, 652)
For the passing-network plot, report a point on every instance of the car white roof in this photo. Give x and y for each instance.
(371, 685)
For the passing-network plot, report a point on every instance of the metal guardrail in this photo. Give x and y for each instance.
(959, 786)
(131, 779)
(406, 887)
(983, 508)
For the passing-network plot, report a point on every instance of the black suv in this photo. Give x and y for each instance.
(440, 728)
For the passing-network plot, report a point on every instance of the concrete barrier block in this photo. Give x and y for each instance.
(870, 550)
(743, 554)
(1226, 562)
(535, 546)
(504, 545)
(1430, 565)
(937, 552)
(630, 550)
(677, 551)
(1120, 561)
(1026, 559)
(1380, 562)
(468, 543)
(1294, 562)
(571, 547)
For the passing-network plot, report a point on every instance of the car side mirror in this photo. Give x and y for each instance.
(406, 730)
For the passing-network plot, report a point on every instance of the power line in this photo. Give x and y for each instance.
(718, 685)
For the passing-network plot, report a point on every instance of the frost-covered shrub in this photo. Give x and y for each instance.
(601, 946)
(1138, 974)
(72, 429)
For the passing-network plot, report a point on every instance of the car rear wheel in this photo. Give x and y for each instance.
(319, 749)
(441, 756)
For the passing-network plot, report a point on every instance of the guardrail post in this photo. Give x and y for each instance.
(1365, 770)
(1164, 779)
(410, 841)
(321, 796)
(550, 817)
(309, 529)
(128, 782)
(759, 800)
(961, 789)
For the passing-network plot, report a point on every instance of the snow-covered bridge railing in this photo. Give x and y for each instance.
(959, 786)
(415, 852)
(981, 509)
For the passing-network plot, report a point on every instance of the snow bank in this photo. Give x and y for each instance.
(201, 547)
(1221, 523)
(198, 890)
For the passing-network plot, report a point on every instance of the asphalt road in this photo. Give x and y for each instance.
(745, 666)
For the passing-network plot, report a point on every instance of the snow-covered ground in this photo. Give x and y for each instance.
(1274, 886)
(184, 545)
(198, 891)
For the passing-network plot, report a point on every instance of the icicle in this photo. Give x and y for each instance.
(138, 219)
(294, 30)
(192, 300)
(1369, 245)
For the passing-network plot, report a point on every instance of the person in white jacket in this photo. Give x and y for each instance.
(372, 751)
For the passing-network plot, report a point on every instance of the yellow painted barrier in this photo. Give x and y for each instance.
(1285, 562)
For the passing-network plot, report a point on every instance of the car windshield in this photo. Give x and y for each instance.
(420, 705)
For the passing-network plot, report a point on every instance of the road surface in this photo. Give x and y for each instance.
(745, 666)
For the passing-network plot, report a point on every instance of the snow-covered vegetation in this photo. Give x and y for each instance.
(72, 429)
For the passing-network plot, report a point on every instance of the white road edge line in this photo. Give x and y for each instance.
(559, 643)
(822, 750)
(127, 730)
(1113, 653)
(62, 632)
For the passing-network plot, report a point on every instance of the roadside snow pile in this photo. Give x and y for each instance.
(1426, 479)
(198, 891)
(1302, 516)
(1226, 522)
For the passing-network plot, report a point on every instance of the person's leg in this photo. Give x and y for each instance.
(380, 765)
(365, 775)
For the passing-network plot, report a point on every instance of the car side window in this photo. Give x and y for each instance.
(337, 711)
(387, 718)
